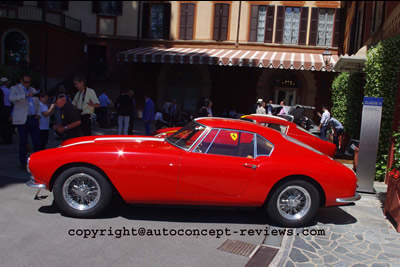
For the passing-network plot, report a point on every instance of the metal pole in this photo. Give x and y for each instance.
(238, 26)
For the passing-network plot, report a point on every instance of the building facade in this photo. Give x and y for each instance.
(230, 51)
(367, 23)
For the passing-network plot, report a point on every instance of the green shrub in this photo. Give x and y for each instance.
(347, 96)
(13, 74)
(382, 66)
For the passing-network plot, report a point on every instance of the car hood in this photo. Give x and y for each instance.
(109, 139)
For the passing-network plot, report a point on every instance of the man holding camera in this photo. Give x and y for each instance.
(86, 101)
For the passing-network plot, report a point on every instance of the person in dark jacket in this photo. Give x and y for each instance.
(124, 110)
(70, 116)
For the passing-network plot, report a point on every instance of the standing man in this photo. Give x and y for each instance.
(70, 119)
(133, 114)
(85, 100)
(103, 112)
(6, 127)
(148, 113)
(323, 125)
(26, 115)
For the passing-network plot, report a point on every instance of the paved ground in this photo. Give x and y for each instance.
(33, 233)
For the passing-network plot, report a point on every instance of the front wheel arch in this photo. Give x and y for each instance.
(77, 164)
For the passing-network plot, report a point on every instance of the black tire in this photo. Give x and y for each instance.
(82, 192)
(293, 203)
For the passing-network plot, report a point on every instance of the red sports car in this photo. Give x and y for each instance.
(295, 131)
(210, 161)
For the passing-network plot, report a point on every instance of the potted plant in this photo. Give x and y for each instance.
(392, 203)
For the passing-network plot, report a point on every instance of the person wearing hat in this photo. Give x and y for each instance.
(26, 115)
(6, 127)
(70, 119)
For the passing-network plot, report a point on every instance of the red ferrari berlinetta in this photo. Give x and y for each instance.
(210, 161)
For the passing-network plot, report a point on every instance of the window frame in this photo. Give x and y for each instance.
(96, 8)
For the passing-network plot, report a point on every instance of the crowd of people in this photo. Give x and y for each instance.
(34, 113)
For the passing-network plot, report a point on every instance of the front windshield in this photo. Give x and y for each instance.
(187, 135)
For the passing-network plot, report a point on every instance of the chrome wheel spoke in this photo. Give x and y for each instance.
(294, 202)
(81, 191)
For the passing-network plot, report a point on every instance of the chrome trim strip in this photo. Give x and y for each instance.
(356, 197)
(32, 183)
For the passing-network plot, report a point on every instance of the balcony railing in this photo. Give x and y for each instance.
(38, 14)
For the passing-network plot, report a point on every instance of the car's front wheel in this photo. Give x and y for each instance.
(293, 203)
(82, 192)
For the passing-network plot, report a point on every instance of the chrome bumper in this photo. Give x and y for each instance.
(356, 197)
(32, 183)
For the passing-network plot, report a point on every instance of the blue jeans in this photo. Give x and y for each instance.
(30, 127)
(322, 133)
(147, 127)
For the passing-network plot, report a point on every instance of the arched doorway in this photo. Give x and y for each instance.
(15, 49)
(288, 88)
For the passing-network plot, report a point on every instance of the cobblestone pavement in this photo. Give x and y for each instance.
(355, 235)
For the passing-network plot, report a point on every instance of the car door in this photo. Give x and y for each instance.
(222, 164)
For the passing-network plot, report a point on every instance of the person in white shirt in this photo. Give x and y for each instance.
(323, 126)
(261, 108)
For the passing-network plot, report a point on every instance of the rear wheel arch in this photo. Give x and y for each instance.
(302, 178)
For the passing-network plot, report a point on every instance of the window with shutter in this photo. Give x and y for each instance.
(325, 27)
(291, 25)
(221, 19)
(261, 23)
(156, 21)
(186, 22)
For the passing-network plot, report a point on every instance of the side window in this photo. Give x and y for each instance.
(205, 144)
(264, 147)
(278, 127)
(229, 143)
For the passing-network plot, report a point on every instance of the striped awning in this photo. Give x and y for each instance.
(227, 57)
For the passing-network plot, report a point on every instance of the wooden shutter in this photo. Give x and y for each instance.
(336, 28)
(269, 25)
(217, 15)
(303, 26)
(186, 22)
(146, 20)
(312, 40)
(253, 23)
(166, 21)
(223, 34)
(190, 22)
(280, 19)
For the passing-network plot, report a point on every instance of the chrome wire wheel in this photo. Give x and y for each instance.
(81, 191)
(294, 202)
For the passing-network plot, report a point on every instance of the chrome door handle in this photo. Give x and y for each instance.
(247, 165)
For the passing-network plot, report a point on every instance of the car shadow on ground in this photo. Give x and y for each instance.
(202, 214)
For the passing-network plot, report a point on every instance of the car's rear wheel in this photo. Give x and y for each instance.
(82, 192)
(293, 203)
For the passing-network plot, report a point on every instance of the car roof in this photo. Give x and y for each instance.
(236, 124)
(267, 118)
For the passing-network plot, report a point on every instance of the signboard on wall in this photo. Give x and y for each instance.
(369, 140)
